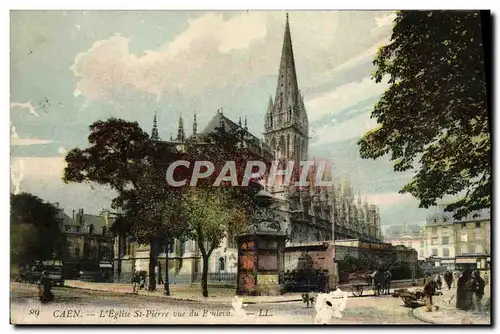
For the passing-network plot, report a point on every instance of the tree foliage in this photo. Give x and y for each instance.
(433, 118)
(122, 156)
(35, 232)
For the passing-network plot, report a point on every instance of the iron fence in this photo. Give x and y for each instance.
(212, 278)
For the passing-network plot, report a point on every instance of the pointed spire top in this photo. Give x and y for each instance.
(195, 124)
(180, 131)
(154, 132)
(239, 122)
(246, 127)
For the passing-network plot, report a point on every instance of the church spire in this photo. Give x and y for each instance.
(195, 125)
(246, 127)
(287, 91)
(154, 132)
(180, 131)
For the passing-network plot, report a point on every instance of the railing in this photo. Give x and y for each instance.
(212, 278)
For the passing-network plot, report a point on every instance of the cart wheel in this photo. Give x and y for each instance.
(357, 291)
(408, 302)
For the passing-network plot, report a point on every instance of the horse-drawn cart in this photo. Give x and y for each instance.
(412, 299)
(358, 282)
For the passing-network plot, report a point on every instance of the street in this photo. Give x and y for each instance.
(92, 307)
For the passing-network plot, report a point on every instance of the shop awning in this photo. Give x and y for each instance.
(105, 265)
(448, 261)
(466, 260)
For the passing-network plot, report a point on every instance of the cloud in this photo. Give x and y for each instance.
(384, 21)
(388, 199)
(343, 97)
(17, 174)
(219, 51)
(41, 176)
(61, 150)
(352, 128)
(15, 140)
(25, 105)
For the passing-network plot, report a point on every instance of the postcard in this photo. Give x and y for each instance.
(264, 167)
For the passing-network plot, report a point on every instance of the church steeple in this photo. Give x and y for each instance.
(154, 131)
(180, 131)
(287, 91)
(195, 125)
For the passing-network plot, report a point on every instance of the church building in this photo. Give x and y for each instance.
(313, 214)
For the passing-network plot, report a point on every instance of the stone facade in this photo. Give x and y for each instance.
(458, 244)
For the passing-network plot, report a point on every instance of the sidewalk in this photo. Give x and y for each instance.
(187, 293)
(448, 314)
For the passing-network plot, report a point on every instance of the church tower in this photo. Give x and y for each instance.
(286, 126)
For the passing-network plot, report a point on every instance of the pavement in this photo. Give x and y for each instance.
(84, 306)
(187, 293)
(448, 314)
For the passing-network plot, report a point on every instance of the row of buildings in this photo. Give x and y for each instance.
(444, 241)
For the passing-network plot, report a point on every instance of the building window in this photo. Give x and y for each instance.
(463, 249)
(78, 229)
(464, 225)
(66, 228)
(104, 230)
(434, 229)
(434, 252)
(77, 252)
(445, 240)
(479, 249)
(446, 252)
(463, 237)
(478, 225)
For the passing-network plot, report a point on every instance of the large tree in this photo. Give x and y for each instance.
(433, 119)
(35, 230)
(217, 213)
(121, 155)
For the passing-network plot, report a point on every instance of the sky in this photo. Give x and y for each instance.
(72, 68)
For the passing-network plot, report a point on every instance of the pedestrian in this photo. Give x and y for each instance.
(486, 279)
(448, 278)
(439, 281)
(387, 282)
(44, 288)
(464, 291)
(478, 291)
(378, 281)
(429, 291)
(135, 282)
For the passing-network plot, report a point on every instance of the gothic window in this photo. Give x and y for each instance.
(289, 114)
(222, 264)
(271, 121)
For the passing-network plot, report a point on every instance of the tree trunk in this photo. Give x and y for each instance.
(204, 276)
(152, 264)
(166, 288)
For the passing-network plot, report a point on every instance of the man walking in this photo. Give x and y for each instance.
(478, 291)
(44, 288)
(135, 282)
(429, 291)
(387, 282)
(448, 278)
